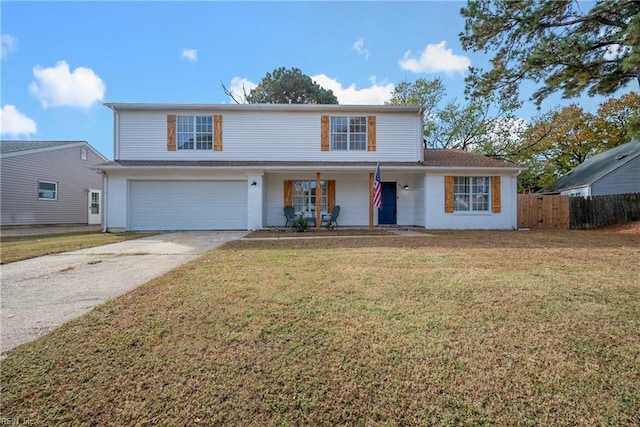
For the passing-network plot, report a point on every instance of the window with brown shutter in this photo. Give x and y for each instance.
(217, 133)
(371, 133)
(324, 133)
(448, 194)
(331, 195)
(495, 194)
(288, 192)
(171, 133)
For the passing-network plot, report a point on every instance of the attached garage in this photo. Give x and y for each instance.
(187, 205)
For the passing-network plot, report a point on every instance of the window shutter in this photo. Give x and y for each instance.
(324, 133)
(331, 195)
(288, 192)
(495, 194)
(171, 133)
(448, 194)
(217, 133)
(371, 133)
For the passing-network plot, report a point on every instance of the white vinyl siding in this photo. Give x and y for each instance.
(187, 205)
(268, 136)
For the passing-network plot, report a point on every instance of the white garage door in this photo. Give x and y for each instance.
(188, 205)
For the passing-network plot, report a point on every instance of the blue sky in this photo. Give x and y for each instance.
(62, 60)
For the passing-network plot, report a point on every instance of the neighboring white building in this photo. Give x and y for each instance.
(49, 182)
(223, 167)
(615, 171)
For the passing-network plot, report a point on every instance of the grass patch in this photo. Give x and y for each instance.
(464, 328)
(19, 248)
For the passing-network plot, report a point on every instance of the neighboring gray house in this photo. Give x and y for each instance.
(49, 182)
(615, 171)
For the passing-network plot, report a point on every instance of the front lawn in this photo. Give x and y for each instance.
(24, 247)
(460, 328)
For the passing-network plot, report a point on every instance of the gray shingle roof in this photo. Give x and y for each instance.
(15, 146)
(432, 158)
(597, 167)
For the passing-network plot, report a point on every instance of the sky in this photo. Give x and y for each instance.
(61, 61)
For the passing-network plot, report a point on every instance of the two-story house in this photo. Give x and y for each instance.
(224, 167)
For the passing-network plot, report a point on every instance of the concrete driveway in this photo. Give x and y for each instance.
(40, 294)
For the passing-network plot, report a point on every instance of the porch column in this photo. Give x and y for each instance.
(254, 202)
(318, 200)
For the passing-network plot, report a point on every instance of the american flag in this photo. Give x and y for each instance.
(377, 190)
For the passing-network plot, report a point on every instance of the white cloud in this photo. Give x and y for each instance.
(14, 123)
(240, 86)
(615, 52)
(8, 44)
(358, 46)
(58, 86)
(433, 59)
(189, 54)
(373, 95)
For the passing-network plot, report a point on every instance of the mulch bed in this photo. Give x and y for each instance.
(336, 232)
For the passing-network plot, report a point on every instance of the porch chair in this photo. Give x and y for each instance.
(327, 219)
(290, 215)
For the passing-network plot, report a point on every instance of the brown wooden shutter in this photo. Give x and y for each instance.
(449, 205)
(288, 192)
(217, 133)
(495, 194)
(371, 133)
(171, 133)
(324, 133)
(331, 195)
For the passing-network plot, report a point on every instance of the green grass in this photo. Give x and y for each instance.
(24, 247)
(464, 328)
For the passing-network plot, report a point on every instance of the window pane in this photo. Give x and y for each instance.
(358, 142)
(47, 190)
(304, 196)
(194, 132)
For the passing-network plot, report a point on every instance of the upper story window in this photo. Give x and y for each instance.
(194, 132)
(47, 190)
(348, 133)
(471, 193)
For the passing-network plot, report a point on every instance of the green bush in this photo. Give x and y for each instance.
(300, 224)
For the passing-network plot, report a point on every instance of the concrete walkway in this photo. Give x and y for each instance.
(39, 294)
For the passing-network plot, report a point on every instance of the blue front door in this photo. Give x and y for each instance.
(387, 215)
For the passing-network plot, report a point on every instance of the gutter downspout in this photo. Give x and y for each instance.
(105, 185)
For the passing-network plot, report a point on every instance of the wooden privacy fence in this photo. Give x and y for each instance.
(598, 211)
(563, 212)
(543, 211)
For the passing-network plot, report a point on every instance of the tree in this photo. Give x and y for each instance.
(560, 140)
(284, 86)
(618, 120)
(472, 127)
(427, 93)
(554, 43)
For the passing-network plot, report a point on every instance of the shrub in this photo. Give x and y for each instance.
(300, 224)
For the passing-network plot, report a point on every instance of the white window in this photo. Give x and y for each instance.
(471, 193)
(47, 190)
(348, 133)
(83, 153)
(305, 196)
(194, 132)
